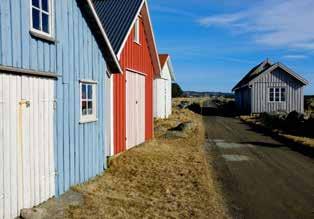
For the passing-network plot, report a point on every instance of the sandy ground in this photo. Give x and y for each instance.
(261, 177)
(164, 178)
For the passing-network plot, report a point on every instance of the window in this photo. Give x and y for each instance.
(41, 17)
(271, 94)
(277, 94)
(137, 31)
(88, 102)
(283, 94)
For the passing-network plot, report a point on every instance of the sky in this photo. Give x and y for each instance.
(214, 43)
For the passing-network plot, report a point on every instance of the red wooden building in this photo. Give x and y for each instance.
(131, 34)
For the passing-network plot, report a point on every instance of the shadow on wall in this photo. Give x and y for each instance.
(215, 108)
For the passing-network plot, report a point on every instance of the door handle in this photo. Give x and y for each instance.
(27, 103)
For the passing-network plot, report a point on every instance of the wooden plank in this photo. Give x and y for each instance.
(19, 71)
(50, 144)
(6, 33)
(66, 138)
(37, 155)
(16, 33)
(26, 144)
(2, 194)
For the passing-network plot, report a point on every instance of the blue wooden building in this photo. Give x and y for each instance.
(54, 59)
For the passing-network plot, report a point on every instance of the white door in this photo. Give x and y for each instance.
(26, 142)
(135, 109)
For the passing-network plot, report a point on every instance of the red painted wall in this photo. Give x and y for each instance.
(136, 57)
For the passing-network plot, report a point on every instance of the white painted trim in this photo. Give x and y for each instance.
(88, 81)
(104, 35)
(93, 117)
(137, 31)
(21, 71)
(135, 71)
(130, 29)
(169, 63)
(153, 35)
(274, 101)
(111, 118)
(39, 33)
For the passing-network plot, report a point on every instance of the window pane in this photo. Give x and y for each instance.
(45, 20)
(35, 3)
(44, 5)
(84, 108)
(90, 92)
(36, 19)
(136, 31)
(90, 107)
(271, 97)
(271, 94)
(283, 94)
(83, 91)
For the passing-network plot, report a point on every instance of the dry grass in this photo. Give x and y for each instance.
(164, 178)
(308, 142)
(299, 140)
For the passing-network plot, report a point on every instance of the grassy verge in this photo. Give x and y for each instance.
(304, 141)
(163, 178)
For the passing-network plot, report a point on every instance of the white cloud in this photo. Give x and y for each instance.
(295, 56)
(274, 23)
(222, 20)
(171, 10)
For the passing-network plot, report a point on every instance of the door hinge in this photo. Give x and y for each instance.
(54, 173)
(27, 103)
(54, 104)
(2, 196)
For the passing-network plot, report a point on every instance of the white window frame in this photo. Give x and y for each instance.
(92, 117)
(274, 94)
(41, 33)
(137, 31)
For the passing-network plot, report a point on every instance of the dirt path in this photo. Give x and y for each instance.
(261, 177)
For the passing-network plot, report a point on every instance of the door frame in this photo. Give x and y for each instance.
(131, 71)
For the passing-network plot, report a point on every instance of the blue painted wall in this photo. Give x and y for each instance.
(79, 148)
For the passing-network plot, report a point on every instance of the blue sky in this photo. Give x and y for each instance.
(213, 43)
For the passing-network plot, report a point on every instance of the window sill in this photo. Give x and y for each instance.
(42, 36)
(88, 120)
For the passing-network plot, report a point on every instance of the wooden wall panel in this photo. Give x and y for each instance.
(277, 78)
(27, 170)
(75, 55)
(136, 57)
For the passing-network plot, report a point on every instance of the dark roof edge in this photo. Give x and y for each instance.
(251, 72)
(114, 63)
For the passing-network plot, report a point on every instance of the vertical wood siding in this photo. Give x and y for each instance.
(79, 148)
(17, 47)
(136, 57)
(277, 78)
(27, 168)
(163, 95)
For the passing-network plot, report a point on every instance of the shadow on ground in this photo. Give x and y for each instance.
(212, 108)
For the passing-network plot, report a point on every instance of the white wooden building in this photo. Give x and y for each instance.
(163, 88)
